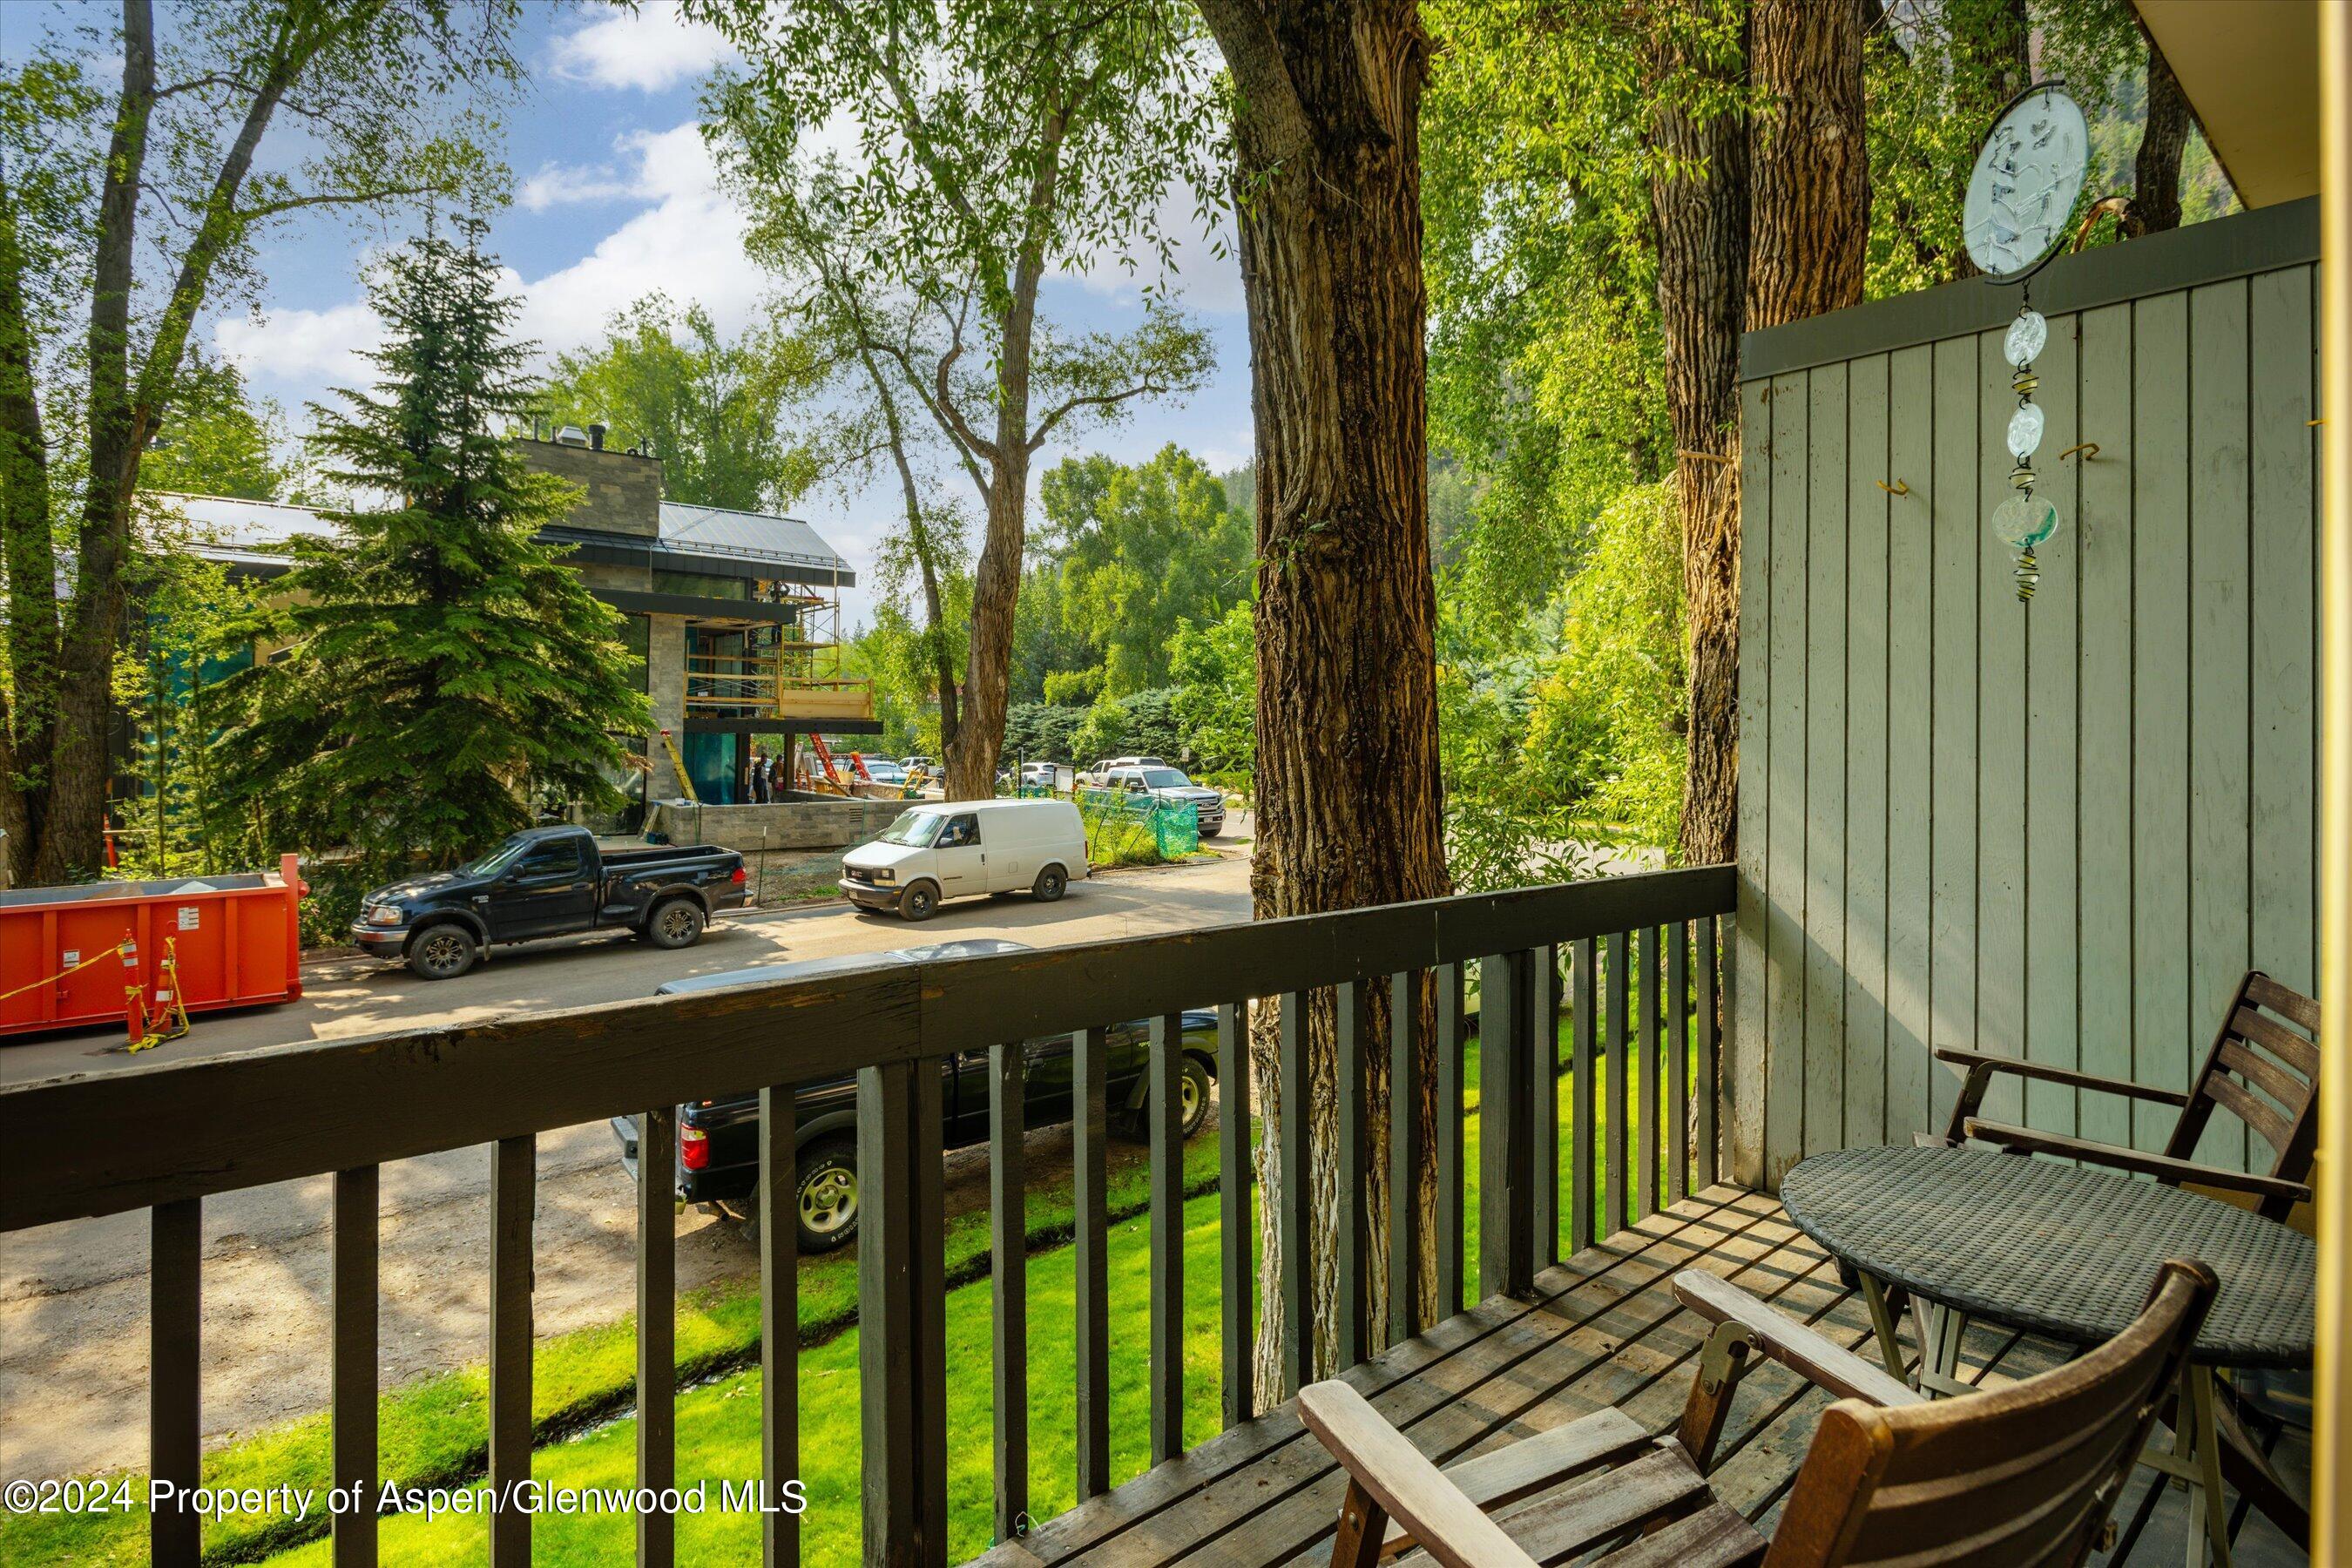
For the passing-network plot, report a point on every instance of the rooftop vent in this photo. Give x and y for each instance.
(571, 436)
(596, 437)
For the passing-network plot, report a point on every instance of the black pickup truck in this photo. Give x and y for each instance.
(547, 881)
(717, 1160)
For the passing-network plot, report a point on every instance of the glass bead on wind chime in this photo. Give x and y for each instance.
(2024, 520)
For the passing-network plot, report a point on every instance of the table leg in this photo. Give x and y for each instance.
(1882, 1319)
(2207, 1510)
(1942, 1329)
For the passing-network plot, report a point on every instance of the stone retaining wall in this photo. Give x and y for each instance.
(796, 825)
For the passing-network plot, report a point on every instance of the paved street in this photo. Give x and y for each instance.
(73, 1297)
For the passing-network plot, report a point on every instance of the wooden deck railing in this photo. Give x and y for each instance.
(1633, 960)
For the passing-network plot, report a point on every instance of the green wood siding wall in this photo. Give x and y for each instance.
(2062, 830)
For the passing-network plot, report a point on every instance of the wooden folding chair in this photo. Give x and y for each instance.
(2263, 1069)
(2019, 1476)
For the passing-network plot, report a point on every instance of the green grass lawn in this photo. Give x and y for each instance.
(434, 1430)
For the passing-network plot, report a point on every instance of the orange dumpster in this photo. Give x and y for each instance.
(229, 940)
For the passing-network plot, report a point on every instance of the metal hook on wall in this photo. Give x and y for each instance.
(2089, 449)
(1899, 487)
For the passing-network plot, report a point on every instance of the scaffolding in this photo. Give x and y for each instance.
(788, 670)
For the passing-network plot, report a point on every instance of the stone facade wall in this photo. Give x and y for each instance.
(637, 578)
(624, 492)
(666, 687)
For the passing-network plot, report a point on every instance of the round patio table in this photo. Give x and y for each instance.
(2061, 1250)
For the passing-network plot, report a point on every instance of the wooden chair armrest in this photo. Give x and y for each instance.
(1794, 1345)
(1409, 1488)
(2049, 1074)
(2026, 1141)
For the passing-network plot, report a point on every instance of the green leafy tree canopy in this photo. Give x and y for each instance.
(712, 408)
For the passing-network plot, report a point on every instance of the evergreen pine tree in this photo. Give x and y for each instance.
(433, 668)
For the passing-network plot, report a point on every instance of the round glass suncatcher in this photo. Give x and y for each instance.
(2027, 174)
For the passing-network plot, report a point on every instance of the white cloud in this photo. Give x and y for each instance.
(687, 242)
(648, 50)
(567, 184)
(313, 347)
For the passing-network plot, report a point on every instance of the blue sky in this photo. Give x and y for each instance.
(616, 197)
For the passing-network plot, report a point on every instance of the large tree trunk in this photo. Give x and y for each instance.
(2156, 173)
(1809, 192)
(1349, 810)
(1699, 205)
(978, 739)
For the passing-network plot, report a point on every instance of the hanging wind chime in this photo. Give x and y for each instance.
(2024, 520)
(2028, 174)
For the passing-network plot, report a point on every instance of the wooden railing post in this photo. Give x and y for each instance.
(1008, 1268)
(1678, 1059)
(1165, 1112)
(656, 1333)
(1543, 1103)
(1585, 1104)
(514, 1178)
(1090, 1132)
(351, 1416)
(1404, 1248)
(780, 1323)
(1710, 1040)
(1448, 1136)
(1293, 1215)
(1351, 1309)
(1237, 1238)
(902, 1315)
(174, 1325)
(1649, 1099)
(1617, 1197)
(1505, 1129)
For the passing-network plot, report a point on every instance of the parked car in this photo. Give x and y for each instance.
(883, 771)
(543, 882)
(1099, 775)
(1038, 775)
(1171, 787)
(718, 1159)
(964, 847)
(928, 764)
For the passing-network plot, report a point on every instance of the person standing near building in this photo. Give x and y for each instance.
(760, 776)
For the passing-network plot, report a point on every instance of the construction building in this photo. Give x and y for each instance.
(733, 617)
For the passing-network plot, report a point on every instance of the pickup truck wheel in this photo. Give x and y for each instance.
(1193, 1096)
(826, 1194)
(675, 923)
(1052, 883)
(442, 953)
(920, 901)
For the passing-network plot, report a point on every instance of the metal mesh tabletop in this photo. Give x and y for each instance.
(2056, 1249)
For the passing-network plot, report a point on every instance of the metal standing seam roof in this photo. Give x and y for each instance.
(760, 535)
(227, 527)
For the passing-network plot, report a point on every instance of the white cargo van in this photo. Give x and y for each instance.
(955, 848)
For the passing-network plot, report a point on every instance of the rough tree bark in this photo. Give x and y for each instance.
(2156, 173)
(1698, 207)
(1809, 161)
(1349, 813)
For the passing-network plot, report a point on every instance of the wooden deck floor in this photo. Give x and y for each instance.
(1601, 1329)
